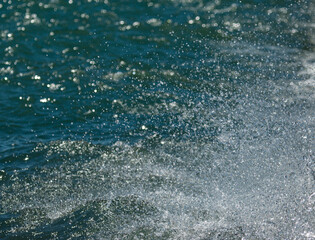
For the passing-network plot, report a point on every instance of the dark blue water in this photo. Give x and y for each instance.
(170, 119)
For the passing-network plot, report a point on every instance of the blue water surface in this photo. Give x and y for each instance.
(157, 119)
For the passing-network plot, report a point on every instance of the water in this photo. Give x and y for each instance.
(167, 119)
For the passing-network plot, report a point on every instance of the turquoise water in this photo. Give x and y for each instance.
(170, 119)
